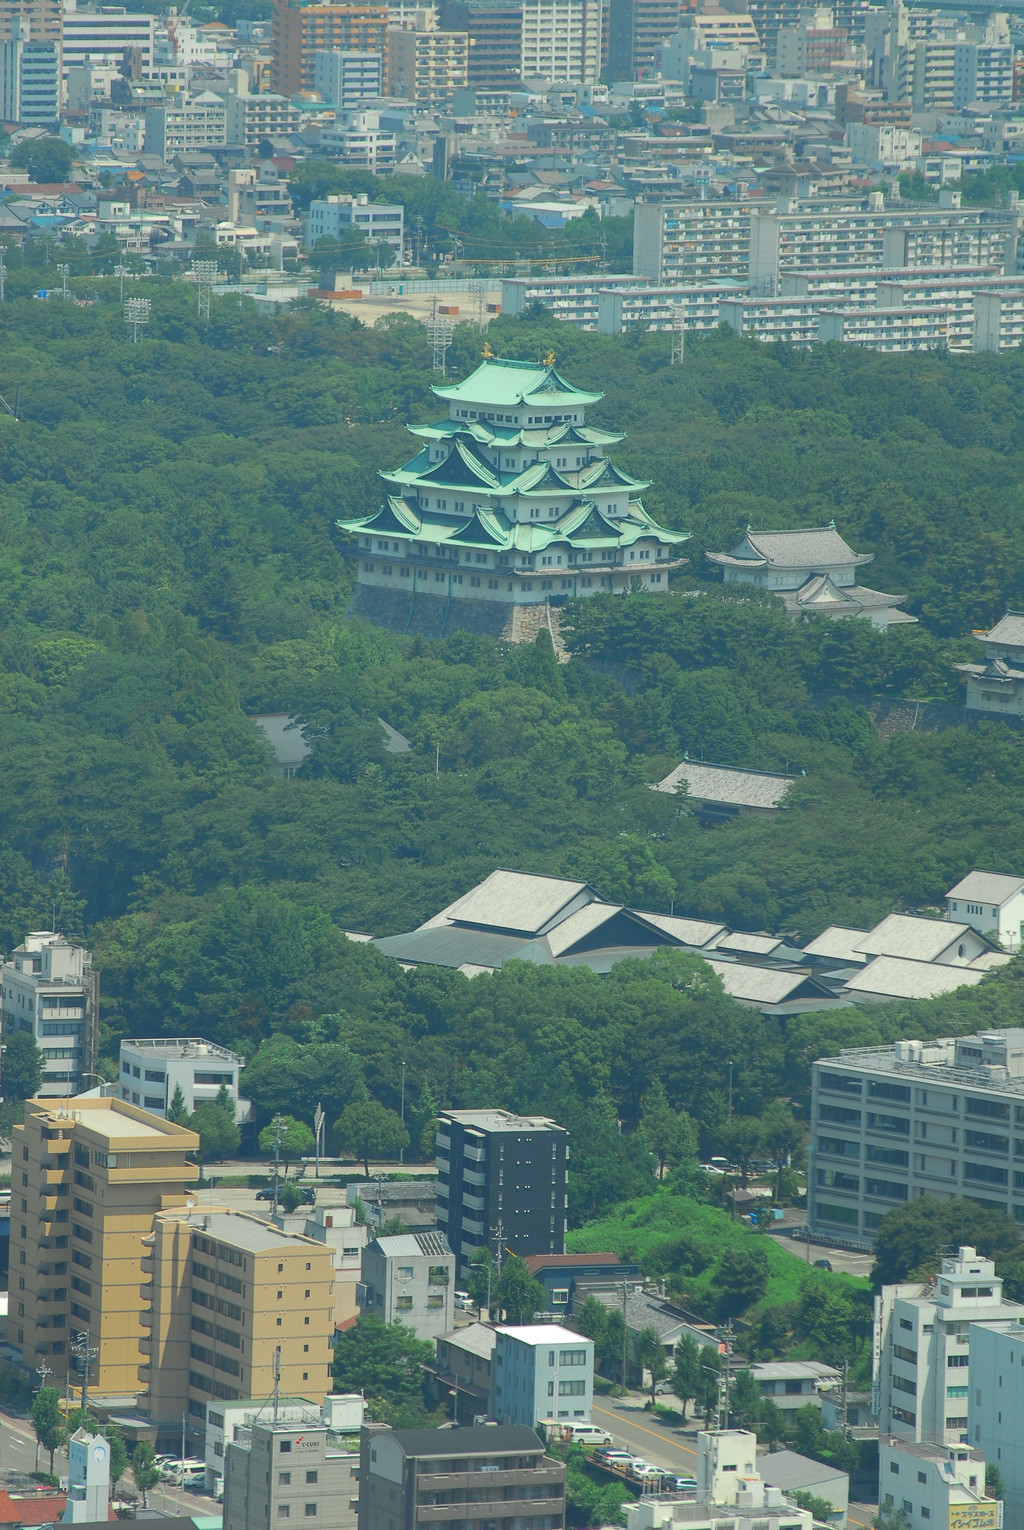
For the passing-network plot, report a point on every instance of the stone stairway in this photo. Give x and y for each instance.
(525, 622)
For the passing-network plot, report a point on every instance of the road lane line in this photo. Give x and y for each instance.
(643, 1430)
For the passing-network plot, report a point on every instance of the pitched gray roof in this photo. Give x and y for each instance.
(728, 783)
(910, 936)
(812, 547)
(890, 977)
(1009, 630)
(840, 942)
(986, 887)
(762, 985)
(789, 1470)
(516, 901)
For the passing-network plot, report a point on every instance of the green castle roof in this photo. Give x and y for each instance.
(497, 383)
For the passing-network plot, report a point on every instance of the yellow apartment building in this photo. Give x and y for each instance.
(300, 30)
(224, 1291)
(87, 1177)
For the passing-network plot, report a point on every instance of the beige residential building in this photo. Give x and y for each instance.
(88, 1176)
(427, 65)
(224, 1292)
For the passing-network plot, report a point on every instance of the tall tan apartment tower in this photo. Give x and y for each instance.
(300, 30)
(230, 1299)
(87, 1177)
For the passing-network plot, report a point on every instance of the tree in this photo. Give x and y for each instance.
(706, 1401)
(145, 1469)
(890, 1518)
(368, 1130)
(742, 1278)
(288, 1138)
(669, 1134)
(591, 1320)
(482, 1278)
(290, 1198)
(383, 1360)
(650, 1356)
(994, 1485)
(686, 1377)
(47, 1420)
(118, 1452)
(47, 160)
(781, 1133)
(820, 1508)
(744, 1401)
(219, 1137)
(612, 1343)
(908, 1236)
(741, 1141)
(22, 1066)
(177, 1110)
(517, 1293)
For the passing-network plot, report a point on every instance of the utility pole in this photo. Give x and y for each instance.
(3, 276)
(277, 1381)
(277, 1124)
(625, 1337)
(318, 1129)
(401, 1151)
(63, 272)
(181, 1468)
(678, 335)
(84, 1352)
(726, 1337)
(730, 1089)
(42, 1371)
(122, 271)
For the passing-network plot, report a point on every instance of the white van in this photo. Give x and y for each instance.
(588, 1434)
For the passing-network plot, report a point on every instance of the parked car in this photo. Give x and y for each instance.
(661, 1387)
(463, 1301)
(308, 1193)
(823, 1264)
(609, 1456)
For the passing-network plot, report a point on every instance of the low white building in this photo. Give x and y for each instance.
(729, 1488)
(540, 1372)
(922, 1353)
(937, 1487)
(88, 1479)
(229, 1422)
(152, 1068)
(991, 903)
(378, 222)
(794, 1473)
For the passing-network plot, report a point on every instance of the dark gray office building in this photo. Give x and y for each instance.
(501, 1174)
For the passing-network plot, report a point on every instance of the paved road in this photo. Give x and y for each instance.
(841, 1259)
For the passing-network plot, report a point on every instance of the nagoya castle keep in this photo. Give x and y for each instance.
(510, 505)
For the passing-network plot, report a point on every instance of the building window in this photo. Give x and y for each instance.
(284, 1479)
(311, 1511)
(284, 1511)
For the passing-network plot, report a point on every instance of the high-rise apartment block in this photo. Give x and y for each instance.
(44, 18)
(495, 31)
(562, 41)
(300, 31)
(346, 79)
(425, 64)
(85, 1188)
(501, 1176)
(922, 1347)
(51, 992)
(636, 31)
(96, 35)
(232, 1305)
(492, 1473)
(29, 78)
(889, 1124)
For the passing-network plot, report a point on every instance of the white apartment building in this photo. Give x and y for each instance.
(942, 1118)
(998, 321)
(703, 31)
(883, 146)
(888, 329)
(185, 123)
(379, 222)
(102, 34)
(425, 64)
(540, 1372)
(921, 1352)
(50, 991)
(152, 1068)
(29, 77)
(357, 139)
(997, 1406)
(982, 74)
(561, 41)
(691, 241)
(229, 1423)
(347, 78)
(935, 1485)
(697, 307)
(252, 118)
